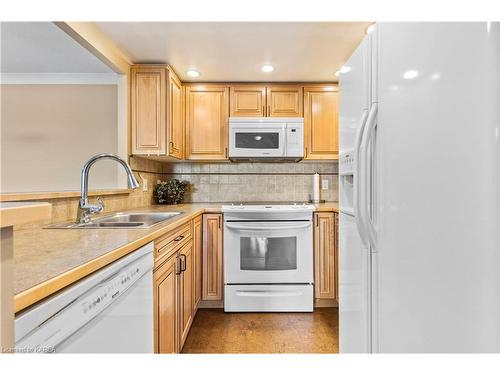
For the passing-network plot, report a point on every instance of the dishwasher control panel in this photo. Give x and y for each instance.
(91, 298)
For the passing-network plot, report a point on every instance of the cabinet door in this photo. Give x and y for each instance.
(175, 119)
(336, 252)
(147, 96)
(207, 108)
(321, 123)
(185, 292)
(247, 101)
(198, 264)
(165, 306)
(324, 255)
(212, 257)
(284, 101)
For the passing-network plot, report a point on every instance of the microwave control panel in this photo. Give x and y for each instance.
(294, 140)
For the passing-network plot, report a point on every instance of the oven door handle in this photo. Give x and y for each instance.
(267, 228)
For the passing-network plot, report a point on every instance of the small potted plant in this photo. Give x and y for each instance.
(170, 192)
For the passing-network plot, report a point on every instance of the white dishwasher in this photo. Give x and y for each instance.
(110, 311)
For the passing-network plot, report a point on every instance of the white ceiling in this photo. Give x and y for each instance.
(41, 47)
(235, 51)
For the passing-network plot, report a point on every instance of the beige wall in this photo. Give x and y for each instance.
(48, 131)
(65, 209)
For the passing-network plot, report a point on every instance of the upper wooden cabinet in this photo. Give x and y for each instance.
(156, 110)
(147, 95)
(207, 108)
(248, 101)
(321, 123)
(175, 111)
(266, 101)
(284, 101)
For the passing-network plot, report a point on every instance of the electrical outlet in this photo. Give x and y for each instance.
(324, 184)
(144, 184)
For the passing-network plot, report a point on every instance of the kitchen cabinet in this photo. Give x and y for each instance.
(212, 257)
(336, 243)
(156, 111)
(324, 256)
(321, 124)
(247, 101)
(266, 101)
(284, 101)
(147, 95)
(175, 119)
(207, 111)
(198, 256)
(165, 306)
(185, 292)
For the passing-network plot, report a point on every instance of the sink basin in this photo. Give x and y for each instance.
(121, 220)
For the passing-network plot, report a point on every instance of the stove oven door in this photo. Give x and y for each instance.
(268, 252)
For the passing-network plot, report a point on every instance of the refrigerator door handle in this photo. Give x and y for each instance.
(366, 158)
(358, 181)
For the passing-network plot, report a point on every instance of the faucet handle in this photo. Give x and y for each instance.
(100, 201)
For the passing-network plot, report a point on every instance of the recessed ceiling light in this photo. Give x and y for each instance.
(370, 28)
(193, 73)
(343, 69)
(410, 74)
(267, 68)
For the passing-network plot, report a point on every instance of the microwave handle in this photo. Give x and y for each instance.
(266, 228)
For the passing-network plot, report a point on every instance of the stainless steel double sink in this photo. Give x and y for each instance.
(120, 220)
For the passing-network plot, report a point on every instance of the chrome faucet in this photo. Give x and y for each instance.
(86, 209)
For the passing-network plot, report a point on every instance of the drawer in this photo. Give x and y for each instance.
(172, 241)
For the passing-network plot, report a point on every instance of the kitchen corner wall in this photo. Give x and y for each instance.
(234, 182)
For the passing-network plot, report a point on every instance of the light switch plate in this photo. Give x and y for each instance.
(324, 184)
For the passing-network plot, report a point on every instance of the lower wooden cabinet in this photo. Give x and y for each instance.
(177, 283)
(212, 257)
(198, 256)
(186, 291)
(325, 258)
(165, 306)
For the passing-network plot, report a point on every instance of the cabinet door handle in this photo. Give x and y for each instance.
(269, 110)
(225, 152)
(263, 111)
(178, 268)
(219, 222)
(183, 263)
(178, 238)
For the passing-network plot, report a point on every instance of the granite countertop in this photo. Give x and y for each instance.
(47, 260)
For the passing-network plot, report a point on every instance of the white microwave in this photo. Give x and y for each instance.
(266, 138)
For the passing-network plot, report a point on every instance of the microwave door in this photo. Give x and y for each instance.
(255, 142)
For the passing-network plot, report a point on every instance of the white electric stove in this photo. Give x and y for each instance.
(268, 257)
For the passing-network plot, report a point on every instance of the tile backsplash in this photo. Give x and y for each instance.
(233, 182)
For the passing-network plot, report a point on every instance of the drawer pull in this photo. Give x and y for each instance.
(178, 238)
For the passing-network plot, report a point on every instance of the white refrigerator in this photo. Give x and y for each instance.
(419, 172)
